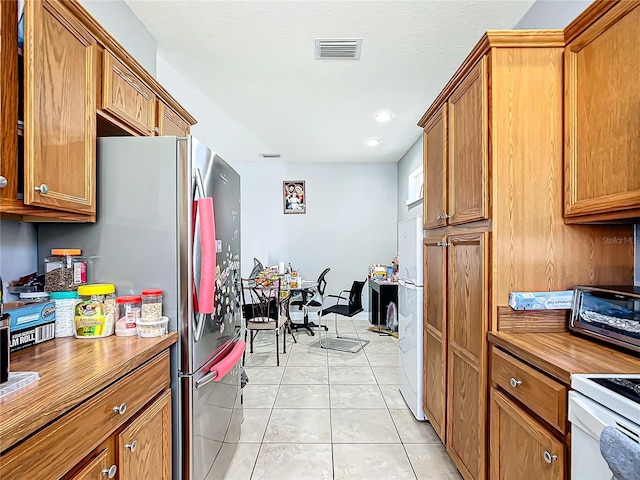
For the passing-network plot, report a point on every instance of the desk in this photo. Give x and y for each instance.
(306, 289)
(381, 294)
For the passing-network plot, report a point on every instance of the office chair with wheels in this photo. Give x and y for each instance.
(352, 308)
(316, 300)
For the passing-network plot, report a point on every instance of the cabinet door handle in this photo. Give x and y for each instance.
(110, 472)
(548, 457)
(120, 408)
(3, 182)
(445, 216)
(43, 189)
(438, 217)
(515, 383)
(132, 446)
(156, 130)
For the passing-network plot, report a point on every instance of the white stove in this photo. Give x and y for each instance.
(598, 401)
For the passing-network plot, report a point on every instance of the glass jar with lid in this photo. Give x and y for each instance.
(151, 305)
(65, 270)
(129, 308)
(95, 314)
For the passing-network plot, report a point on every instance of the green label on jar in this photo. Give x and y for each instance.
(90, 319)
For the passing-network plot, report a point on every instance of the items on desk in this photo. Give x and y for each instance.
(559, 300)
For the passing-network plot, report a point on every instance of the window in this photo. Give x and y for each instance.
(416, 186)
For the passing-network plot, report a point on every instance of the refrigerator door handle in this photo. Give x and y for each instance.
(219, 370)
(201, 382)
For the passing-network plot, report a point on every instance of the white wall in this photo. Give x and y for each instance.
(552, 13)
(18, 252)
(350, 221)
(407, 164)
(118, 19)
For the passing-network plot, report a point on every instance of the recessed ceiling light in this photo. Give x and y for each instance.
(372, 142)
(383, 116)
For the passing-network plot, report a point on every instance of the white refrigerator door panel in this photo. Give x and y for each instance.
(410, 238)
(410, 343)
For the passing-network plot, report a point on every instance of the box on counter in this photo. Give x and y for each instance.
(558, 300)
(30, 323)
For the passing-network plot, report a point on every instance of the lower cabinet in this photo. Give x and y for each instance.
(521, 447)
(98, 468)
(144, 446)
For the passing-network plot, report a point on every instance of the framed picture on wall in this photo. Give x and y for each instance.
(294, 198)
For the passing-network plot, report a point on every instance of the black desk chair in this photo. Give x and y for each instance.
(352, 308)
(316, 300)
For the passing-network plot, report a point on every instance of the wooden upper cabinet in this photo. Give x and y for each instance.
(435, 169)
(60, 109)
(144, 446)
(602, 120)
(434, 400)
(520, 446)
(467, 314)
(468, 147)
(170, 123)
(9, 99)
(127, 97)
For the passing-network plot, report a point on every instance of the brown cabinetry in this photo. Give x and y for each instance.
(144, 446)
(520, 446)
(97, 468)
(435, 169)
(170, 123)
(602, 145)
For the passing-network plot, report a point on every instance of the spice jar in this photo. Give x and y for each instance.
(151, 305)
(65, 270)
(95, 314)
(129, 308)
(65, 303)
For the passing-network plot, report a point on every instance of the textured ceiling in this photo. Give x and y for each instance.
(255, 60)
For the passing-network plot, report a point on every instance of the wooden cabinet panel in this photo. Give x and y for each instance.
(9, 99)
(602, 145)
(467, 315)
(538, 392)
(126, 97)
(144, 446)
(60, 123)
(519, 444)
(467, 145)
(435, 169)
(435, 335)
(95, 468)
(170, 123)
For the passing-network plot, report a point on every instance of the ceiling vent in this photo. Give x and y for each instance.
(270, 155)
(338, 48)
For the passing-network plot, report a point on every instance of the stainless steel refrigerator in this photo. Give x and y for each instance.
(156, 229)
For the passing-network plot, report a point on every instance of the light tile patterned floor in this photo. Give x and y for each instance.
(332, 415)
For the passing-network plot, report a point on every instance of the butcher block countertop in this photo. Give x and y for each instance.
(71, 371)
(562, 354)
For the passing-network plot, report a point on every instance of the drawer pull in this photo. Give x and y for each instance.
(156, 130)
(3, 182)
(515, 383)
(548, 457)
(110, 472)
(43, 189)
(132, 446)
(120, 409)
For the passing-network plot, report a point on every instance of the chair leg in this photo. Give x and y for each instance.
(251, 342)
(284, 339)
(244, 354)
(277, 350)
(337, 333)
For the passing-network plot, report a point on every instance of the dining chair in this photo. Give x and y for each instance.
(264, 309)
(349, 309)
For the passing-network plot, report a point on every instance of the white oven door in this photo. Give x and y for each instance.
(588, 419)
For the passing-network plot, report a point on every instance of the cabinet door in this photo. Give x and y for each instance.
(520, 446)
(602, 144)
(60, 109)
(144, 446)
(126, 97)
(170, 123)
(9, 102)
(467, 316)
(434, 399)
(97, 469)
(467, 144)
(435, 169)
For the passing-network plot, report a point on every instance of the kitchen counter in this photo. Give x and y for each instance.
(71, 371)
(562, 354)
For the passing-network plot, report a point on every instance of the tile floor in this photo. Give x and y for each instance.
(332, 415)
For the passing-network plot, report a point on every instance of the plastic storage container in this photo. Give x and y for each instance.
(95, 314)
(129, 308)
(34, 297)
(65, 303)
(65, 270)
(153, 329)
(151, 305)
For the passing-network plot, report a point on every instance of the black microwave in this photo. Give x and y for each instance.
(610, 314)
